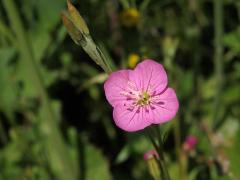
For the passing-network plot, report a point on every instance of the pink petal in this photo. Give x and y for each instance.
(130, 120)
(165, 108)
(115, 85)
(150, 154)
(149, 76)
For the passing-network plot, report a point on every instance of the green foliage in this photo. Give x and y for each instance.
(55, 122)
(97, 165)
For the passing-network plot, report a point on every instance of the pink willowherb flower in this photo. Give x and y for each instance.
(140, 97)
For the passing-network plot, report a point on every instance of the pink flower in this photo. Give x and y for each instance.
(190, 143)
(140, 97)
(150, 154)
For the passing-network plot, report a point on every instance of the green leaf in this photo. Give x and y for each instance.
(8, 86)
(232, 152)
(123, 155)
(96, 164)
(231, 94)
(232, 39)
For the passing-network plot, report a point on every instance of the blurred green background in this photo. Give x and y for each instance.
(55, 122)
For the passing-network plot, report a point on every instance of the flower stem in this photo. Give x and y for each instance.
(150, 137)
(154, 139)
(218, 54)
(160, 146)
(179, 154)
(3, 137)
(96, 54)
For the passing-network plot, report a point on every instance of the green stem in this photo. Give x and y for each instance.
(149, 136)
(177, 136)
(3, 137)
(57, 151)
(96, 54)
(158, 147)
(218, 54)
(105, 61)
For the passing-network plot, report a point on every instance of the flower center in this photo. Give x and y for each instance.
(144, 99)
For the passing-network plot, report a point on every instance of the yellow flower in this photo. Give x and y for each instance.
(130, 17)
(133, 59)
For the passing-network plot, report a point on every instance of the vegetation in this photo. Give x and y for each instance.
(55, 122)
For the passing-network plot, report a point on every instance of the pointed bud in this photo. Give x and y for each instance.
(151, 158)
(75, 34)
(150, 154)
(77, 19)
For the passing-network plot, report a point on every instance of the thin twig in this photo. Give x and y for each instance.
(218, 54)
